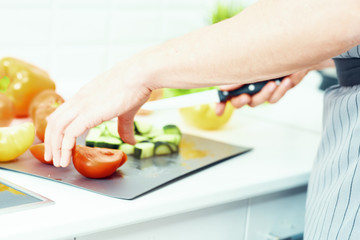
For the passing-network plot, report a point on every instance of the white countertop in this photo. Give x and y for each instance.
(284, 137)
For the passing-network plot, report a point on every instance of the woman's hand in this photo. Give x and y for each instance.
(271, 92)
(117, 93)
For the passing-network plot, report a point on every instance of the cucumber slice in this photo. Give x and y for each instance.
(171, 129)
(108, 142)
(139, 138)
(142, 128)
(162, 148)
(111, 129)
(169, 138)
(154, 132)
(144, 150)
(174, 147)
(101, 127)
(92, 137)
(127, 148)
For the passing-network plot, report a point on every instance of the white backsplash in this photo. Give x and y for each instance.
(75, 40)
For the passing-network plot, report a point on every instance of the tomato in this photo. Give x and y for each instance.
(49, 96)
(26, 81)
(6, 111)
(204, 116)
(14, 141)
(43, 110)
(97, 162)
(38, 151)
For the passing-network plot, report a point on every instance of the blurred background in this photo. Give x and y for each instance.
(75, 40)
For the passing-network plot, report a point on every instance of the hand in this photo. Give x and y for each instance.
(117, 93)
(271, 92)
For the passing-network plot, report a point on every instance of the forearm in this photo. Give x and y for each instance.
(272, 38)
(329, 63)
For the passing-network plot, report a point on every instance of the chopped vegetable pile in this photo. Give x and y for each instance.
(150, 140)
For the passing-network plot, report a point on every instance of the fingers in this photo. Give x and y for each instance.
(72, 131)
(284, 86)
(271, 93)
(126, 128)
(54, 133)
(241, 100)
(263, 95)
(237, 102)
(220, 108)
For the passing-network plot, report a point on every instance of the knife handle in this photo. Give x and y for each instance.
(250, 89)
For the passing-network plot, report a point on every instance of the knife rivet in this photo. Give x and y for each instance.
(251, 87)
(225, 93)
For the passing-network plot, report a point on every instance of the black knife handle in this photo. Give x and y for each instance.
(250, 89)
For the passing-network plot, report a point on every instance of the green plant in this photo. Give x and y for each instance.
(223, 12)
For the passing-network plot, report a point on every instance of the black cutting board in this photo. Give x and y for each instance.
(137, 176)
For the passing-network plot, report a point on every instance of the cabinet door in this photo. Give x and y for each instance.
(225, 222)
(279, 215)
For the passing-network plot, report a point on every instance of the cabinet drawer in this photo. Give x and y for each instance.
(279, 214)
(225, 222)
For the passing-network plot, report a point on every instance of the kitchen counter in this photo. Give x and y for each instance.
(284, 137)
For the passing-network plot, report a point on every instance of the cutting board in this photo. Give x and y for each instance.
(137, 176)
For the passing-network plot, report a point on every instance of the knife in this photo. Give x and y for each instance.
(204, 97)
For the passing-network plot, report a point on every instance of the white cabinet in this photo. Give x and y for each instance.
(279, 213)
(225, 222)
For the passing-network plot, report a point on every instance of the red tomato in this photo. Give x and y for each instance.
(43, 110)
(38, 152)
(49, 96)
(6, 111)
(97, 162)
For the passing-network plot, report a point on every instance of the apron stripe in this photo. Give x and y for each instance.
(334, 188)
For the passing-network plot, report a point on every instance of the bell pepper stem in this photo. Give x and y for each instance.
(4, 84)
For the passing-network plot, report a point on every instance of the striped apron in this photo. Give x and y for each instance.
(333, 201)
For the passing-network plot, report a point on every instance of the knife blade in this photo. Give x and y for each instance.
(204, 97)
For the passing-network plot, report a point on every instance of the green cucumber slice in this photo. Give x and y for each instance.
(144, 150)
(162, 148)
(170, 138)
(92, 137)
(127, 148)
(154, 133)
(174, 147)
(142, 128)
(139, 138)
(111, 129)
(171, 129)
(108, 142)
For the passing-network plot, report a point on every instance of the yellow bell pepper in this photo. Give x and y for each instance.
(21, 82)
(14, 141)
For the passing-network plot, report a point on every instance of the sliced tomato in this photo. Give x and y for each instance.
(38, 151)
(97, 162)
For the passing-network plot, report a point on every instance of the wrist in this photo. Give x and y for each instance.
(145, 67)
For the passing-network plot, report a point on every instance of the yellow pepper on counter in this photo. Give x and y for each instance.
(14, 141)
(204, 116)
(21, 82)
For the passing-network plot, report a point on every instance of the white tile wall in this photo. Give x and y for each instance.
(75, 40)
